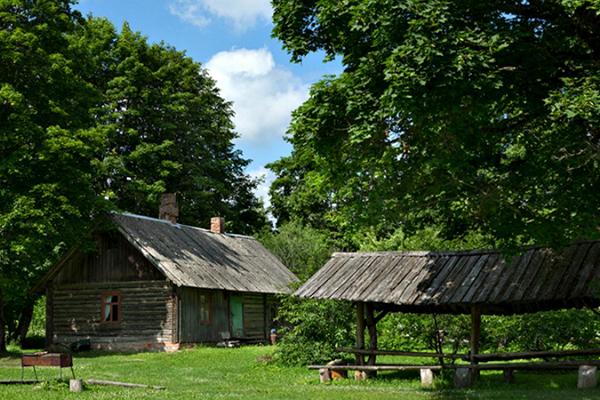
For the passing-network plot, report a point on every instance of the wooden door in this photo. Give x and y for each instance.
(236, 308)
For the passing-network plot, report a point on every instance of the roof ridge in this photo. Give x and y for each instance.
(177, 225)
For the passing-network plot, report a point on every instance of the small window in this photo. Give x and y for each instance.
(111, 307)
(204, 310)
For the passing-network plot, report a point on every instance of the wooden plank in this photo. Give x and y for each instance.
(432, 291)
(379, 367)
(482, 279)
(530, 276)
(569, 279)
(122, 384)
(378, 274)
(400, 353)
(452, 281)
(400, 267)
(411, 289)
(559, 270)
(412, 264)
(419, 293)
(525, 355)
(518, 270)
(591, 264)
(469, 280)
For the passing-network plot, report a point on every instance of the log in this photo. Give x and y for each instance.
(526, 355)
(122, 384)
(401, 353)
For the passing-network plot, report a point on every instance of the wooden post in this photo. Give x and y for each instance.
(372, 327)
(475, 336)
(360, 332)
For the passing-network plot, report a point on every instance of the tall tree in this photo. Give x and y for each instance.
(467, 115)
(168, 130)
(48, 144)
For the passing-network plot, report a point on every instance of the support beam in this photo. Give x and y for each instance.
(372, 328)
(360, 332)
(475, 336)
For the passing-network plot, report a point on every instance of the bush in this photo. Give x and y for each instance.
(313, 329)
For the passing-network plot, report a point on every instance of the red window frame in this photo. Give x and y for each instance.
(104, 303)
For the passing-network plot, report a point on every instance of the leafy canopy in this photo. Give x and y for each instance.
(470, 115)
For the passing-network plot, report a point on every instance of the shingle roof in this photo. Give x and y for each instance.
(195, 257)
(539, 279)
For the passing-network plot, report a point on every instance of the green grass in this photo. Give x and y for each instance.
(214, 373)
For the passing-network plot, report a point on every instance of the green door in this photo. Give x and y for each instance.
(236, 308)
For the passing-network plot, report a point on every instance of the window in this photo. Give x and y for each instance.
(204, 309)
(111, 307)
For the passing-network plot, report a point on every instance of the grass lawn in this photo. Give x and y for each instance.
(214, 373)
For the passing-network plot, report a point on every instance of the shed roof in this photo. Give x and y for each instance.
(196, 257)
(429, 282)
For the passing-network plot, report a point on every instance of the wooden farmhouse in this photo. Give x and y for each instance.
(153, 284)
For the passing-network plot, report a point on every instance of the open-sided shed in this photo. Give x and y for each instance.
(466, 282)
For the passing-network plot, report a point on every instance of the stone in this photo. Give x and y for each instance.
(587, 377)
(463, 378)
(426, 378)
(360, 375)
(76, 385)
(324, 375)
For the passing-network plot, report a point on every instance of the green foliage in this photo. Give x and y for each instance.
(468, 116)
(313, 329)
(92, 120)
(301, 248)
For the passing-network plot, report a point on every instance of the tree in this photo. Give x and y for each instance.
(48, 147)
(168, 130)
(471, 115)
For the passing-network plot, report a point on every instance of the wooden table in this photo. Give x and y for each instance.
(44, 359)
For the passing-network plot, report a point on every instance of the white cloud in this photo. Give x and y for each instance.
(242, 13)
(262, 190)
(263, 94)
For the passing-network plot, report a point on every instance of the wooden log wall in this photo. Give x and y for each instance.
(147, 319)
(255, 311)
(193, 329)
(114, 260)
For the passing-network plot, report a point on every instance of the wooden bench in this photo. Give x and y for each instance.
(43, 359)
(507, 367)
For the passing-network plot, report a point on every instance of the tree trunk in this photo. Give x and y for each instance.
(2, 326)
(20, 332)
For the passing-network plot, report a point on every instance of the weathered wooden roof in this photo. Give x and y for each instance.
(539, 279)
(196, 257)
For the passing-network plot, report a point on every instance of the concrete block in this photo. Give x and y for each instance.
(426, 378)
(587, 377)
(76, 385)
(463, 378)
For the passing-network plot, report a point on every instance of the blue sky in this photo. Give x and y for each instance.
(232, 39)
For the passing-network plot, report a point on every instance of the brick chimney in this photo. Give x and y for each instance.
(168, 207)
(217, 225)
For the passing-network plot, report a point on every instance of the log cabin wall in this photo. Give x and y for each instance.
(204, 315)
(147, 315)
